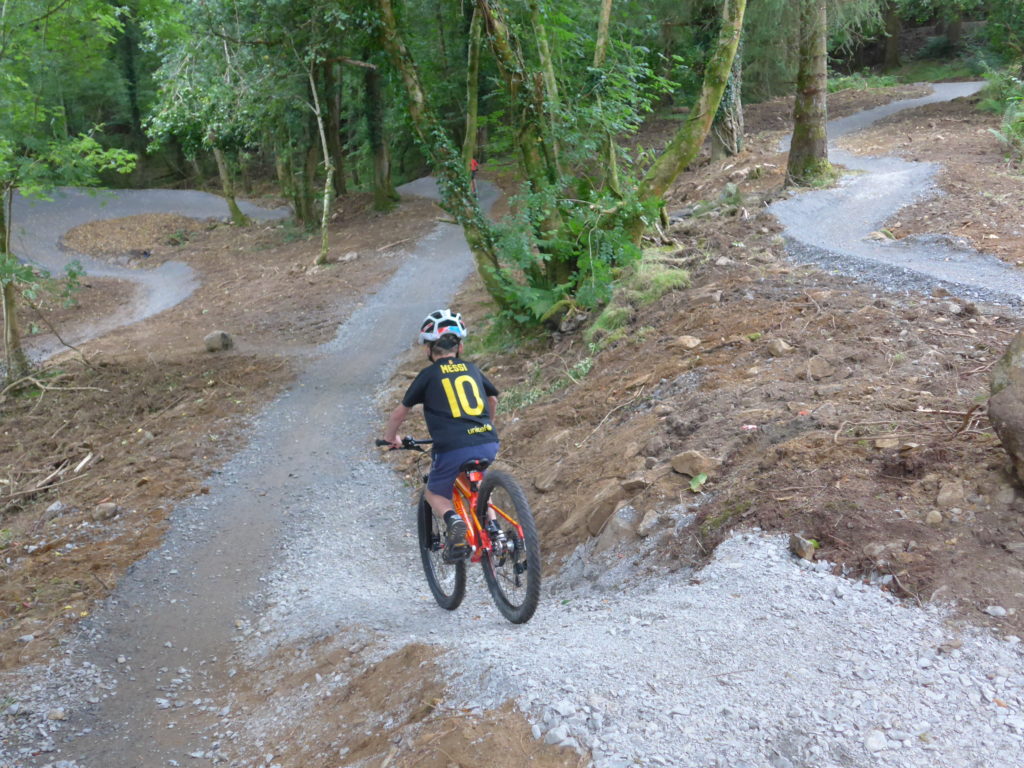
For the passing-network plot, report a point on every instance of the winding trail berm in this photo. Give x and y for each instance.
(830, 227)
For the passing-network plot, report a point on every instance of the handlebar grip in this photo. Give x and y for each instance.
(380, 442)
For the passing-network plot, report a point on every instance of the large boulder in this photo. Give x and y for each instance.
(1006, 405)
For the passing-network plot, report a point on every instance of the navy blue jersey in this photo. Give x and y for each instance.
(454, 398)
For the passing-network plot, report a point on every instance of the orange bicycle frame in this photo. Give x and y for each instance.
(465, 498)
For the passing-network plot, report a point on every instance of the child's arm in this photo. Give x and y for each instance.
(492, 406)
(394, 422)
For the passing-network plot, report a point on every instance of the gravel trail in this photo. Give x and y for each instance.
(758, 661)
(764, 661)
(830, 227)
(39, 225)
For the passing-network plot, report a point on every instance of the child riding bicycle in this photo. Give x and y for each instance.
(459, 403)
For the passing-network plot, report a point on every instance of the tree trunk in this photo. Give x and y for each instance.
(442, 38)
(16, 362)
(453, 182)
(307, 183)
(332, 95)
(808, 149)
(283, 166)
(893, 30)
(384, 194)
(727, 130)
(955, 30)
(600, 50)
(536, 150)
(325, 213)
(129, 47)
(544, 52)
(534, 135)
(472, 89)
(227, 184)
(688, 140)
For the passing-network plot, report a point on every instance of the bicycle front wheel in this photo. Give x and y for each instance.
(512, 567)
(447, 580)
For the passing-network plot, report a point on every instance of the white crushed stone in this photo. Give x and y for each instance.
(761, 660)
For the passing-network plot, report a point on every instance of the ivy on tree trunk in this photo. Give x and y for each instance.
(687, 142)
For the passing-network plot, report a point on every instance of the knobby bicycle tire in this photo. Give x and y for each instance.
(513, 577)
(447, 581)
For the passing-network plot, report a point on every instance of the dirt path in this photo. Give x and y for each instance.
(833, 227)
(40, 225)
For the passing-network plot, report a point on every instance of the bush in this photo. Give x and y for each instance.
(1005, 93)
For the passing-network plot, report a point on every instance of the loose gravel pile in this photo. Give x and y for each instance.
(760, 659)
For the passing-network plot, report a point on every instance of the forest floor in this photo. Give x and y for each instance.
(868, 436)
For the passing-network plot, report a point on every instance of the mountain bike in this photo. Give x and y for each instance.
(501, 536)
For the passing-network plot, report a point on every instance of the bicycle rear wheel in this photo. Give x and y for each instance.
(512, 571)
(447, 580)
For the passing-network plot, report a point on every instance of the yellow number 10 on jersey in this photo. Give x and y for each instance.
(463, 392)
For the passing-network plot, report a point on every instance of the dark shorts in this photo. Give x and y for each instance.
(445, 466)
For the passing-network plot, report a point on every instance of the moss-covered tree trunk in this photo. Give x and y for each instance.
(227, 185)
(472, 89)
(446, 160)
(536, 148)
(688, 140)
(808, 149)
(547, 63)
(728, 129)
(600, 51)
(534, 133)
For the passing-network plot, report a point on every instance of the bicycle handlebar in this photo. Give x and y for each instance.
(409, 443)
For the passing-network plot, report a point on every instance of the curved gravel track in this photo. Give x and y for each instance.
(830, 227)
(760, 662)
(39, 225)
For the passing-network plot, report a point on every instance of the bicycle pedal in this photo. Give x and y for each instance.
(456, 554)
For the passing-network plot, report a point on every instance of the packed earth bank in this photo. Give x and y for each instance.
(847, 413)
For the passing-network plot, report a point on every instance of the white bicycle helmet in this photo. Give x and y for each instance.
(441, 322)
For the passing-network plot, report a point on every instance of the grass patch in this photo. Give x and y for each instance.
(860, 81)
(612, 321)
(532, 391)
(652, 280)
(715, 523)
(932, 71)
(819, 174)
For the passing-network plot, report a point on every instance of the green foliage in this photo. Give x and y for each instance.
(1006, 91)
(860, 81)
(577, 261)
(1005, 28)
